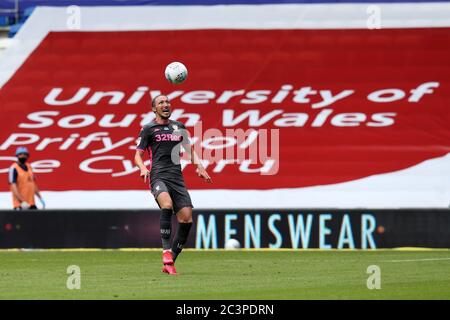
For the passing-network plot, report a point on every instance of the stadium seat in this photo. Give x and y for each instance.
(14, 29)
(26, 14)
(4, 21)
(28, 11)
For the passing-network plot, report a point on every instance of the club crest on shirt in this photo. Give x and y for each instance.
(166, 128)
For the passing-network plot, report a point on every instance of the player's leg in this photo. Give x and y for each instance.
(182, 206)
(165, 221)
(184, 216)
(162, 197)
(165, 202)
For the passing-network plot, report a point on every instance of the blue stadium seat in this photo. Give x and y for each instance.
(27, 13)
(4, 21)
(14, 29)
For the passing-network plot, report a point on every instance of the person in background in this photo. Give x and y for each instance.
(23, 183)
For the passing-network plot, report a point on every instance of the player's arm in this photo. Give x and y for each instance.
(138, 160)
(201, 171)
(139, 156)
(195, 159)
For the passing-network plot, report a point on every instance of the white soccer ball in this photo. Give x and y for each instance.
(176, 72)
(232, 244)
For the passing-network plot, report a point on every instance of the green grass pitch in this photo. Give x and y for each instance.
(246, 274)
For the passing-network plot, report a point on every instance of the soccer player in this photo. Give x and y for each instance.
(162, 139)
(22, 182)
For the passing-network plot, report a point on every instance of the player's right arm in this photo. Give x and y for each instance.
(138, 157)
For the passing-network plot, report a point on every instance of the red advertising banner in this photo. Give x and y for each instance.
(326, 106)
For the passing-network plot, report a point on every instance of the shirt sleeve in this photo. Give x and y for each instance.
(143, 140)
(12, 175)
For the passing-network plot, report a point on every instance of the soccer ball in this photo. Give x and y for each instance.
(176, 72)
(232, 244)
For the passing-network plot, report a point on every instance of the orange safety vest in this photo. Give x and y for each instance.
(25, 185)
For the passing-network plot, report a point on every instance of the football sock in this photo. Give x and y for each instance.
(180, 238)
(165, 223)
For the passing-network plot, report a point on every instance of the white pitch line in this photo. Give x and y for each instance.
(417, 260)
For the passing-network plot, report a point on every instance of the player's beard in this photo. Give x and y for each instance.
(164, 116)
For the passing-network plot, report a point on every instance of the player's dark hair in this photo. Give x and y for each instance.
(154, 100)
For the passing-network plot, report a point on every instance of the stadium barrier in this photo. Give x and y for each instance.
(295, 228)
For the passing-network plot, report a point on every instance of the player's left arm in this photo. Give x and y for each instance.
(195, 159)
